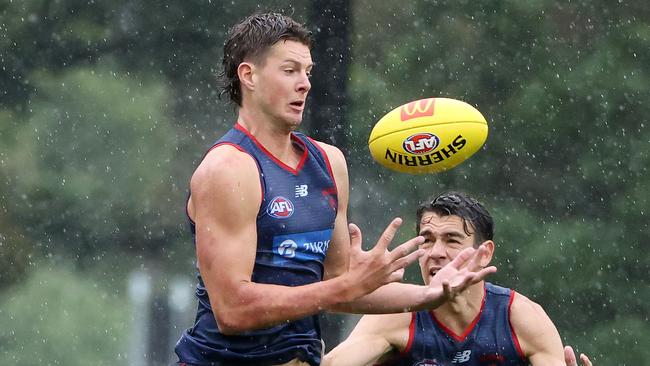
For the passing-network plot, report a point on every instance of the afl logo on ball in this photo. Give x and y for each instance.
(421, 143)
(280, 208)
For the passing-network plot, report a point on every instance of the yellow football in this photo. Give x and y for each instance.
(428, 135)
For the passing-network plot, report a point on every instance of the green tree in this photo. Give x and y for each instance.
(92, 165)
(59, 318)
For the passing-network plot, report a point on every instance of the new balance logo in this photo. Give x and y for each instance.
(301, 191)
(461, 356)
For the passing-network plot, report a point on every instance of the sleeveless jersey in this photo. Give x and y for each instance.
(488, 341)
(294, 228)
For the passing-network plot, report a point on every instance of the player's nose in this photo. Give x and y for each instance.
(437, 250)
(304, 85)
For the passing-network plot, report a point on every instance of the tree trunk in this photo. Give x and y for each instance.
(329, 20)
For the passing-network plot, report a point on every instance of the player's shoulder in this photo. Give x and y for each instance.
(331, 150)
(334, 155)
(224, 163)
(528, 317)
(522, 304)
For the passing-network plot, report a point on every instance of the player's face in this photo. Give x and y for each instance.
(282, 83)
(444, 237)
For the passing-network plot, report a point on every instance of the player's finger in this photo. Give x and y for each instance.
(355, 236)
(475, 262)
(462, 258)
(396, 276)
(570, 356)
(404, 262)
(405, 248)
(585, 360)
(465, 282)
(480, 275)
(446, 289)
(388, 235)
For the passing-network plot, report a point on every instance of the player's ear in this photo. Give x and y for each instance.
(245, 73)
(487, 258)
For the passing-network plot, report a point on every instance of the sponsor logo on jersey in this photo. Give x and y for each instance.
(300, 247)
(421, 143)
(462, 356)
(427, 158)
(280, 208)
(287, 248)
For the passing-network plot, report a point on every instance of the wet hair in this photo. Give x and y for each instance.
(472, 213)
(250, 39)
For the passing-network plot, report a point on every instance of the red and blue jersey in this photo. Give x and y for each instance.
(294, 228)
(488, 341)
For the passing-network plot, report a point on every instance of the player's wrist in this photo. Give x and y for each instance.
(433, 297)
(343, 290)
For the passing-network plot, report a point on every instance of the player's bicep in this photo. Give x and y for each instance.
(539, 339)
(225, 207)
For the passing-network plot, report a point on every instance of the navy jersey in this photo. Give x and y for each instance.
(488, 341)
(294, 228)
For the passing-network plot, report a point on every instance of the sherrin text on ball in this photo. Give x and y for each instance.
(428, 135)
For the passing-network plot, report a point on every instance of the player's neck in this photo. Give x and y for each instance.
(459, 313)
(277, 140)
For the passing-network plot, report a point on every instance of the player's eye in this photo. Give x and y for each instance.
(427, 244)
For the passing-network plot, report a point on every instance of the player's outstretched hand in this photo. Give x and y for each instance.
(570, 358)
(374, 268)
(462, 272)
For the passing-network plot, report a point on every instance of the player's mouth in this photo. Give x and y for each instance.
(298, 105)
(433, 271)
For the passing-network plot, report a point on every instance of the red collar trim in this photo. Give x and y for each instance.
(470, 327)
(294, 138)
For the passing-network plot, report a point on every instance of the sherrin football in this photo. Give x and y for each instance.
(428, 135)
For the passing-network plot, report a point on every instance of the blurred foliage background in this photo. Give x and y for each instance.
(107, 107)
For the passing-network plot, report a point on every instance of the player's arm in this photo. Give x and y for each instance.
(538, 338)
(374, 336)
(345, 254)
(224, 207)
(452, 279)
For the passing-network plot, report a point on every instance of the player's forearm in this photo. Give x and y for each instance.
(256, 306)
(392, 298)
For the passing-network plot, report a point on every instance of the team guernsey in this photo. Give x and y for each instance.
(488, 341)
(294, 228)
